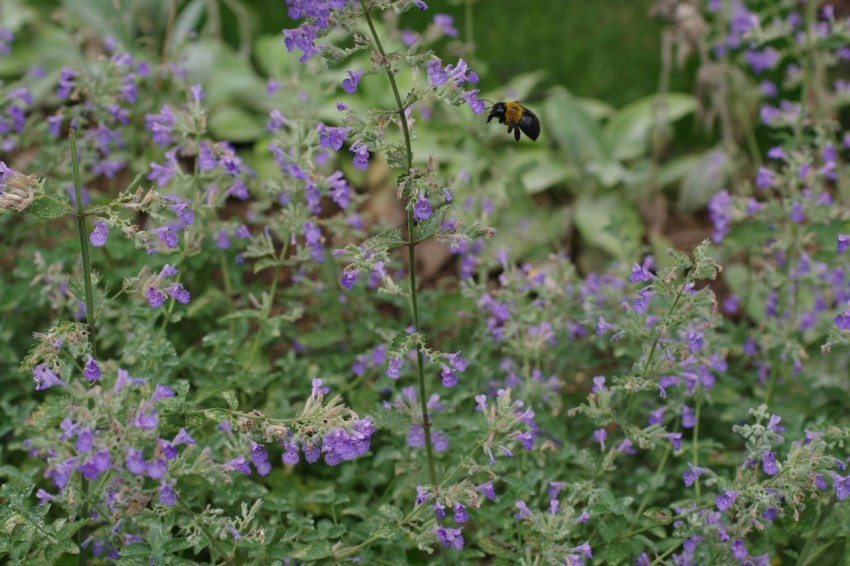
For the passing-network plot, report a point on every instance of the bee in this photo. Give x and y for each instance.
(517, 117)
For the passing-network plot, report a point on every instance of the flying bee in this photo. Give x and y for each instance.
(517, 117)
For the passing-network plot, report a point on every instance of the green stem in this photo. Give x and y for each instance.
(84, 245)
(695, 446)
(469, 29)
(670, 551)
(411, 247)
(266, 311)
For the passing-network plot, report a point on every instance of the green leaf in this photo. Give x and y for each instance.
(235, 124)
(704, 178)
(617, 552)
(315, 551)
(424, 229)
(230, 398)
(47, 207)
(612, 527)
(572, 127)
(628, 131)
(610, 223)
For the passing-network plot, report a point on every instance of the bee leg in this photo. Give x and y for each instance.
(516, 134)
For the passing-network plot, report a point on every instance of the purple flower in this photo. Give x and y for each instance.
(98, 235)
(161, 392)
(436, 75)
(239, 464)
(95, 465)
(487, 490)
(157, 468)
(349, 85)
(180, 294)
(361, 155)
(768, 460)
(458, 363)
(719, 212)
(524, 511)
(260, 458)
(394, 368)
(471, 98)
(450, 538)
(146, 418)
(843, 243)
(66, 82)
(675, 439)
(460, 514)
(155, 297)
(842, 486)
(842, 320)
(448, 377)
(692, 474)
(91, 370)
(85, 441)
(422, 209)
(331, 138)
(421, 494)
(135, 462)
(726, 499)
(688, 417)
(167, 496)
(445, 24)
(639, 274)
(45, 378)
(167, 236)
(600, 435)
(183, 212)
(290, 453)
(349, 278)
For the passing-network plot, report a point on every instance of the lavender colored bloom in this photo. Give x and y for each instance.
(361, 155)
(99, 234)
(239, 464)
(44, 497)
(762, 60)
(641, 302)
(394, 368)
(842, 320)
(45, 378)
(692, 474)
(183, 212)
(85, 441)
(167, 270)
(843, 243)
(155, 297)
(146, 418)
(317, 389)
(167, 236)
(290, 453)
(260, 458)
(487, 490)
(524, 511)
(450, 538)
(475, 103)
(675, 439)
(180, 294)
(639, 274)
(460, 515)
(768, 460)
(222, 240)
(719, 213)
(436, 75)
(726, 499)
(842, 486)
(422, 209)
(415, 436)
(421, 494)
(66, 82)
(349, 85)
(349, 278)
(91, 370)
(600, 435)
(167, 496)
(331, 138)
(688, 417)
(162, 392)
(95, 465)
(157, 468)
(448, 377)
(797, 215)
(135, 462)
(445, 23)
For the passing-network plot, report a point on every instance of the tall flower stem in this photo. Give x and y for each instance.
(84, 245)
(411, 248)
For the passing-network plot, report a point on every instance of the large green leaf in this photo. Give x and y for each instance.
(610, 223)
(704, 179)
(628, 131)
(566, 120)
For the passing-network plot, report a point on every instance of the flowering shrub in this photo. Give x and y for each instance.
(219, 346)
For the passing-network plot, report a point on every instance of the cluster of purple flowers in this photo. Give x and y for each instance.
(156, 296)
